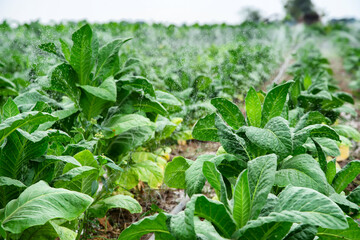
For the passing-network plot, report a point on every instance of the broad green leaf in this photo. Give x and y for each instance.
(83, 53)
(323, 95)
(261, 177)
(165, 127)
(229, 112)
(311, 118)
(194, 177)
(175, 172)
(351, 233)
(23, 120)
(295, 91)
(346, 175)
(65, 49)
(271, 202)
(182, 224)
(150, 172)
(205, 230)
(180, 228)
(230, 141)
(149, 167)
(63, 79)
(217, 214)
(137, 83)
(127, 132)
(294, 116)
(344, 203)
(10, 109)
(4, 82)
(18, 150)
(50, 230)
(50, 48)
(43, 232)
(332, 104)
(253, 108)
(302, 171)
(331, 171)
(316, 130)
(347, 131)
(274, 102)
(167, 99)
(107, 55)
(74, 174)
(268, 231)
(275, 137)
(329, 146)
(285, 112)
(346, 108)
(61, 115)
(47, 168)
(131, 139)
(321, 156)
(302, 205)
(242, 200)
(27, 100)
(229, 165)
(346, 97)
(72, 149)
(94, 99)
(302, 232)
(201, 83)
(9, 189)
(215, 179)
(354, 195)
(2, 231)
(41, 107)
(32, 208)
(128, 178)
(81, 180)
(152, 106)
(205, 129)
(307, 82)
(153, 224)
(319, 83)
(100, 208)
(64, 159)
(120, 124)
(63, 232)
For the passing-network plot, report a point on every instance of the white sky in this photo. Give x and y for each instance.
(168, 11)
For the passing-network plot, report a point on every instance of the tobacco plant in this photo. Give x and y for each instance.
(78, 168)
(251, 211)
(243, 170)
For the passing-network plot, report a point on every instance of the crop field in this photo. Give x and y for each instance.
(144, 131)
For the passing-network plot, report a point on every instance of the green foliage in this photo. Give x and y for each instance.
(81, 122)
(31, 208)
(282, 183)
(119, 201)
(253, 186)
(274, 102)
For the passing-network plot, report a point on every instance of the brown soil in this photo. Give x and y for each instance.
(343, 78)
(276, 78)
(194, 148)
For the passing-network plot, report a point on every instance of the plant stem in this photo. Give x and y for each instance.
(83, 221)
(80, 230)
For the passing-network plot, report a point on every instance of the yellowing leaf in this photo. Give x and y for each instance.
(344, 153)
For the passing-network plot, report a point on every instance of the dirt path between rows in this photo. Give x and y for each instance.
(343, 79)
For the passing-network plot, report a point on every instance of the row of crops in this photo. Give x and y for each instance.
(87, 117)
